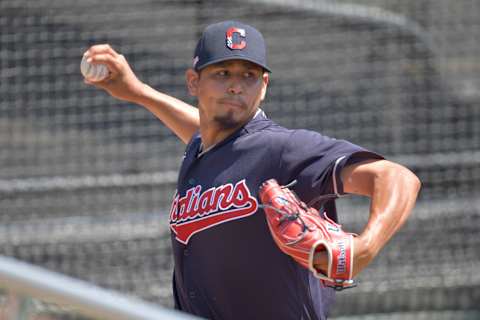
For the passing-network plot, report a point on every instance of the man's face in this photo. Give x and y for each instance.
(228, 93)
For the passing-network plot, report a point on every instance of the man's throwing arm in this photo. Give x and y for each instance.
(393, 191)
(122, 83)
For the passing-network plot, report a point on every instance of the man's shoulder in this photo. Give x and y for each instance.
(271, 130)
(194, 142)
(265, 126)
(268, 130)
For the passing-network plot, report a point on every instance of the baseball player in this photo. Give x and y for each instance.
(227, 264)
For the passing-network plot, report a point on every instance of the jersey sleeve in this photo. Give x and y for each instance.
(316, 162)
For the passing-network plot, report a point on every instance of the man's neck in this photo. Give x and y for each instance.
(212, 135)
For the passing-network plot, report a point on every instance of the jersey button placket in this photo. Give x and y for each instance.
(191, 293)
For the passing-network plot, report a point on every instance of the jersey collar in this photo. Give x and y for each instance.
(258, 122)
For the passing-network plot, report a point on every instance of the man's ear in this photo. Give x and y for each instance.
(192, 77)
(265, 79)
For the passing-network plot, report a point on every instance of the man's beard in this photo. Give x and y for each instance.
(226, 121)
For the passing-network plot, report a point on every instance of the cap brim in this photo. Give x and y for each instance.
(234, 57)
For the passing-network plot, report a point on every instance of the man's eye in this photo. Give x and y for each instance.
(222, 73)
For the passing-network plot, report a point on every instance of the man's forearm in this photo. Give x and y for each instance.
(393, 197)
(180, 117)
(123, 84)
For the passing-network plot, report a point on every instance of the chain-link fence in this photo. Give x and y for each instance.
(86, 180)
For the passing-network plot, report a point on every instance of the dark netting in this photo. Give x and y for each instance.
(86, 180)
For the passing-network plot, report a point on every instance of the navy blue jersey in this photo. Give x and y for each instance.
(227, 265)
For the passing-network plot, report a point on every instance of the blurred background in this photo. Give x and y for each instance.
(86, 181)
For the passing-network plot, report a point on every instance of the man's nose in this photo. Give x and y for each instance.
(234, 87)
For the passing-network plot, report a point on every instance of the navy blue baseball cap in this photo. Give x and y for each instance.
(229, 40)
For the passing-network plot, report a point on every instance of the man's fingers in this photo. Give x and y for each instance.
(113, 63)
(101, 49)
(103, 53)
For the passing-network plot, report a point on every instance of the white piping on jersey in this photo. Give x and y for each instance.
(259, 111)
(335, 188)
(201, 152)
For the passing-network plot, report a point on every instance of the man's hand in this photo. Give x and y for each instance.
(122, 82)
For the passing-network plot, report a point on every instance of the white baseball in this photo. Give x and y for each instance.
(93, 72)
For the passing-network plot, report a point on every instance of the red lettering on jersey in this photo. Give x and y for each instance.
(223, 197)
(198, 211)
(206, 201)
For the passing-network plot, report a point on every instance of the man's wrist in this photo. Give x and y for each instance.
(364, 252)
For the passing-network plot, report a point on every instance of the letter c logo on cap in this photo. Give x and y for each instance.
(237, 45)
